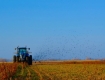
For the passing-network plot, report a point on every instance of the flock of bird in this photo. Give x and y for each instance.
(69, 48)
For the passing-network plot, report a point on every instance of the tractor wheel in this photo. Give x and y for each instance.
(30, 60)
(14, 58)
(17, 59)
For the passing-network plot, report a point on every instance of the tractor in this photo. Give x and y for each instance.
(22, 55)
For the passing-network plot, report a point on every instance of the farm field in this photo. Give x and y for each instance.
(70, 71)
(86, 70)
(16, 71)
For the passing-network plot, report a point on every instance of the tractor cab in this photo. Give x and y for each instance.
(22, 52)
(22, 55)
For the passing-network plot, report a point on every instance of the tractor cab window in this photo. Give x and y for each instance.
(23, 50)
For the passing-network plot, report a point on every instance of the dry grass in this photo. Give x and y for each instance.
(81, 70)
(7, 70)
(54, 70)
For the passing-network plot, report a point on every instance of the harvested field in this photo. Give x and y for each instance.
(54, 70)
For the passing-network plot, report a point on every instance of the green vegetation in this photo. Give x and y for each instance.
(25, 72)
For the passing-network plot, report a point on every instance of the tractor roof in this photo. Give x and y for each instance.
(21, 47)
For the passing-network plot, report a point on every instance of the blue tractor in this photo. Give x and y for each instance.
(22, 55)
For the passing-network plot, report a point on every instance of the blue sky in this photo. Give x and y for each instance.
(53, 29)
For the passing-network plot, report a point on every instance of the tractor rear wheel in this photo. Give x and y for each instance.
(30, 60)
(14, 59)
